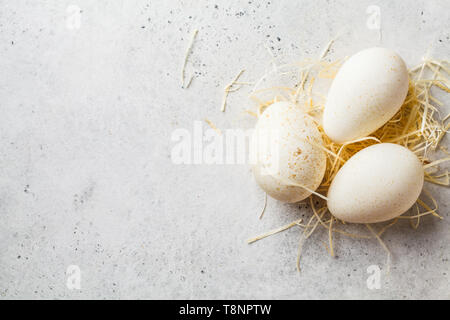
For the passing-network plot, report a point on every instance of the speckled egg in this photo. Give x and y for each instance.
(286, 152)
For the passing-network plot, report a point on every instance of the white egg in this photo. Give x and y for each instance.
(286, 152)
(377, 184)
(367, 91)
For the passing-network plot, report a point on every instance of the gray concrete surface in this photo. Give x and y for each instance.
(88, 105)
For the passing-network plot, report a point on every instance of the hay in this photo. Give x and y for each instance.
(185, 60)
(416, 126)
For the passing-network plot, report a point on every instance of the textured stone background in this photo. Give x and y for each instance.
(86, 177)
